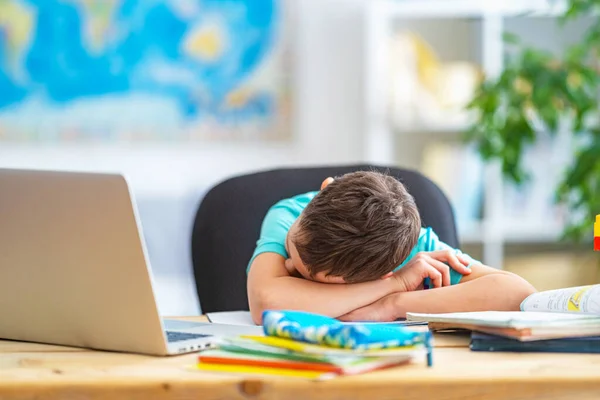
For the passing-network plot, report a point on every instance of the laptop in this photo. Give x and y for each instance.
(74, 268)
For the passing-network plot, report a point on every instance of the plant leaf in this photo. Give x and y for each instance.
(511, 38)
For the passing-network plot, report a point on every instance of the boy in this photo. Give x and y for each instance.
(356, 251)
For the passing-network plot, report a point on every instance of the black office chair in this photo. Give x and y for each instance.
(229, 219)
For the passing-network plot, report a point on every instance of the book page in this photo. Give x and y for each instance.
(501, 319)
(581, 299)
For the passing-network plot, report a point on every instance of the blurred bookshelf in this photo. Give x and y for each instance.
(407, 128)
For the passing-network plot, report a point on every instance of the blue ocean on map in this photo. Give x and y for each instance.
(110, 70)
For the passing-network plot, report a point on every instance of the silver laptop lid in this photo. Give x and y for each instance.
(73, 265)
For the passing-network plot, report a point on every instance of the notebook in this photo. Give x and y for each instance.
(302, 345)
(485, 342)
(334, 365)
(259, 355)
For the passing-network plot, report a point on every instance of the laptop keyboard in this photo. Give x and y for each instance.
(181, 336)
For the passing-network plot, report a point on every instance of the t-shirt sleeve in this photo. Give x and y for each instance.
(435, 244)
(273, 232)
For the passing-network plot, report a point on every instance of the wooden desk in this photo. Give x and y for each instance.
(29, 370)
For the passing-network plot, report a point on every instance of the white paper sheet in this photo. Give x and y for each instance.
(514, 319)
(231, 318)
(581, 299)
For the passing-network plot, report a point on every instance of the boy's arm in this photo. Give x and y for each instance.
(485, 289)
(270, 286)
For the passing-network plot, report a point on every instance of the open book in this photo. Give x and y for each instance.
(553, 314)
(581, 299)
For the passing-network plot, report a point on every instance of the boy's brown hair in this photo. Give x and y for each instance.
(360, 227)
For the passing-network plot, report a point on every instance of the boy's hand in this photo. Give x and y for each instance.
(431, 265)
(289, 266)
(291, 270)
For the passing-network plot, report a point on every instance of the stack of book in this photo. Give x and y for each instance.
(562, 320)
(518, 325)
(267, 355)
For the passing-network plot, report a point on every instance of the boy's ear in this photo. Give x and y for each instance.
(326, 182)
(335, 279)
(388, 275)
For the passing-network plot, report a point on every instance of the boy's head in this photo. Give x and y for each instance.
(360, 227)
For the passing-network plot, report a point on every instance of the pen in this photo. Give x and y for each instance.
(429, 347)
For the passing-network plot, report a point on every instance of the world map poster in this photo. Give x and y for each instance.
(143, 70)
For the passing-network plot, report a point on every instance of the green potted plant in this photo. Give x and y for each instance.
(538, 88)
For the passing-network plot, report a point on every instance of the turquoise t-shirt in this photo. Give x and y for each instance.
(281, 216)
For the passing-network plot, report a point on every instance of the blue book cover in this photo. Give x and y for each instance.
(485, 342)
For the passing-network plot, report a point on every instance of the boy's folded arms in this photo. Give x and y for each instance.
(489, 289)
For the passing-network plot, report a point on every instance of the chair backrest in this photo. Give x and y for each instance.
(229, 219)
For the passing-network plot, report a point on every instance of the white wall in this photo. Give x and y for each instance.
(329, 62)
(169, 180)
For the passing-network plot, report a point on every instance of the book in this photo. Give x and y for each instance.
(485, 342)
(310, 346)
(242, 345)
(295, 346)
(552, 314)
(261, 371)
(338, 366)
(524, 326)
(575, 300)
(253, 355)
(273, 356)
(272, 360)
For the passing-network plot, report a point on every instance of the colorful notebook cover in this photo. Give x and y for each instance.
(315, 329)
(323, 330)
